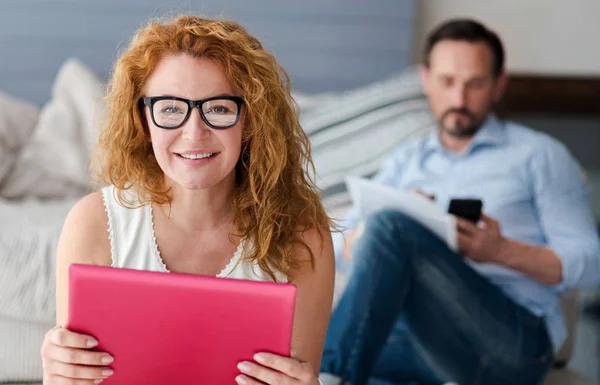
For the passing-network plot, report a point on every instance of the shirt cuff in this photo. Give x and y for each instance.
(572, 269)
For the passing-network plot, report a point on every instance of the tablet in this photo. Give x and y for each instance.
(168, 328)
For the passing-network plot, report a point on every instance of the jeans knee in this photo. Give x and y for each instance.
(405, 237)
(390, 221)
(382, 237)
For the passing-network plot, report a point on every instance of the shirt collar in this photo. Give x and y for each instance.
(492, 133)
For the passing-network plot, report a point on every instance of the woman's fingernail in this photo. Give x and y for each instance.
(97, 381)
(106, 359)
(260, 358)
(244, 367)
(92, 342)
(241, 380)
(107, 372)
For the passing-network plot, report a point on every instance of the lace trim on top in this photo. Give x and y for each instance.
(223, 273)
(113, 251)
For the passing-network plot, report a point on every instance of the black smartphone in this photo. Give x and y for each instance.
(466, 208)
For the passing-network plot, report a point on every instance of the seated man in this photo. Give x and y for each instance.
(413, 309)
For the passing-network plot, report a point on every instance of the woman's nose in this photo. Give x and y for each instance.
(195, 129)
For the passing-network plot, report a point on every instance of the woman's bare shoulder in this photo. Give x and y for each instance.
(316, 240)
(84, 237)
(314, 278)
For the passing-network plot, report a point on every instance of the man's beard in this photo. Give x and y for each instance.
(461, 130)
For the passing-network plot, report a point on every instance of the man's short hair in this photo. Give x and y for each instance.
(470, 31)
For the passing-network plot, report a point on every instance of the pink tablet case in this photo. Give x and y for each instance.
(167, 328)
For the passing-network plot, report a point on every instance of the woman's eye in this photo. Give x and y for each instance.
(171, 110)
(219, 110)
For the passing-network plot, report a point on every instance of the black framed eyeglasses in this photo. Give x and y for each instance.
(170, 112)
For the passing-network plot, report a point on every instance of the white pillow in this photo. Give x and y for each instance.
(29, 232)
(55, 162)
(17, 119)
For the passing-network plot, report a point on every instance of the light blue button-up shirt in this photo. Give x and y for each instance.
(527, 181)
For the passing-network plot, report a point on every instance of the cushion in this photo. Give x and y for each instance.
(29, 232)
(20, 358)
(17, 120)
(55, 161)
(566, 377)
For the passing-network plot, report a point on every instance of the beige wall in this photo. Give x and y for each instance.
(540, 36)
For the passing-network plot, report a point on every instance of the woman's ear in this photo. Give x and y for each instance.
(144, 122)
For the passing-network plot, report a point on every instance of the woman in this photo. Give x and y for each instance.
(205, 162)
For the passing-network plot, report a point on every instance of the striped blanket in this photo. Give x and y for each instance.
(352, 132)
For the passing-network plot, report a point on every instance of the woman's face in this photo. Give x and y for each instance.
(193, 156)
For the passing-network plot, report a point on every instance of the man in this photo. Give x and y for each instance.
(413, 309)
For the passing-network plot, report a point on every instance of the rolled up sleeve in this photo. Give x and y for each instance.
(564, 211)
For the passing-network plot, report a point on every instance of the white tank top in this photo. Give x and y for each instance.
(133, 242)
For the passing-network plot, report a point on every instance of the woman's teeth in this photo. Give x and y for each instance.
(196, 156)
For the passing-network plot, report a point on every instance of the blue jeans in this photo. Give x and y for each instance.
(415, 313)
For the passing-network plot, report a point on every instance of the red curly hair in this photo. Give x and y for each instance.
(275, 197)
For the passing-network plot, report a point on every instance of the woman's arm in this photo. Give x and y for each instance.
(67, 357)
(314, 296)
(84, 239)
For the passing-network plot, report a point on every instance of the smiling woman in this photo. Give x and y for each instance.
(194, 147)
(205, 165)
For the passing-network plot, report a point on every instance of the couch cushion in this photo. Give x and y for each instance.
(55, 161)
(566, 377)
(17, 120)
(20, 358)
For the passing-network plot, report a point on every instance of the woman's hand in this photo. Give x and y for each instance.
(276, 370)
(67, 359)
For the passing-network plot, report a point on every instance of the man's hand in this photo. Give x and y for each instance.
(423, 193)
(480, 243)
(348, 243)
(350, 238)
(486, 244)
